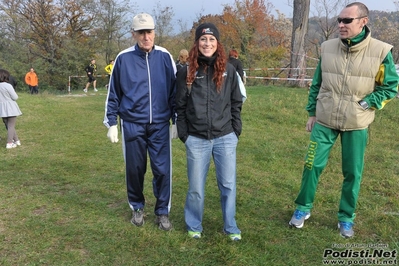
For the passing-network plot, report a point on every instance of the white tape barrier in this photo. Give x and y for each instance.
(275, 68)
(273, 78)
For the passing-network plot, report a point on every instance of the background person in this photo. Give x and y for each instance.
(108, 69)
(13, 83)
(182, 60)
(9, 109)
(33, 81)
(145, 108)
(355, 76)
(233, 59)
(91, 71)
(212, 131)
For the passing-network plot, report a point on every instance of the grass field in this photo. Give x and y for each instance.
(63, 197)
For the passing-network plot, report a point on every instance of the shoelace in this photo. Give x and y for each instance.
(346, 225)
(299, 214)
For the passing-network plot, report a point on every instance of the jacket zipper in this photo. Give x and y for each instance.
(208, 104)
(149, 85)
(342, 86)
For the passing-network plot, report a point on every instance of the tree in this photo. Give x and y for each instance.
(163, 18)
(13, 46)
(180, 39)
(325, 13)
(45, 20)
(299, 30)
(323, 24)
(78, 22)
(384, 26)
(249, 27)
(58, 37)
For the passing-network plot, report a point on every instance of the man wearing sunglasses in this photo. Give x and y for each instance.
(355, 77)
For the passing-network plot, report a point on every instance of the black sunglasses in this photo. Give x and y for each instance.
(348, 20)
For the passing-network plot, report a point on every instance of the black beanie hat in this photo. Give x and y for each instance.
(206, 28)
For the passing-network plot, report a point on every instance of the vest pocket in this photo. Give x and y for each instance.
(324, 109)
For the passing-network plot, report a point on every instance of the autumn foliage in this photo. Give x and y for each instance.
(58, 37)
(249, 27)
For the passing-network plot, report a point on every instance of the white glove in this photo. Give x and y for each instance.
(113, 134)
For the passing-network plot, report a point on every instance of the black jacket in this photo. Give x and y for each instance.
(205, 113)
(13, 82)
(91, 69)
(179, 65)
(238, 66)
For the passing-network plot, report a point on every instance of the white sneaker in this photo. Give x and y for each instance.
(95, 89)
(18, 142)
(85, 90)
(11, 145)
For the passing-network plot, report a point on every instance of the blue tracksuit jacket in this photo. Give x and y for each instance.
(137, 90)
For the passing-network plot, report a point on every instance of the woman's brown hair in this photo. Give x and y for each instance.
(4, 75)
(233, 53)
(219, 65)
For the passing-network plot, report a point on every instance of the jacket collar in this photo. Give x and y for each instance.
(141, 52)
(358, 38)
(206, 60)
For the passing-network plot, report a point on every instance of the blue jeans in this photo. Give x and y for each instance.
(199, 153)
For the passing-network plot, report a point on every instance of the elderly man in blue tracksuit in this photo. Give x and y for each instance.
(141, 92)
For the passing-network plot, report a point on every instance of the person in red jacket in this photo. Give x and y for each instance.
(32, 80)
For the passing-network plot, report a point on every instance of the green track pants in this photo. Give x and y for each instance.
(353, 145)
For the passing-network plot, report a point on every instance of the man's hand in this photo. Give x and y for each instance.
(310, 123)
(113, 134)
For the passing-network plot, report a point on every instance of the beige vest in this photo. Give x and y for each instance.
(348, 75)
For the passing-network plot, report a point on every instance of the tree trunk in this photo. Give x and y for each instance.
(299, 30)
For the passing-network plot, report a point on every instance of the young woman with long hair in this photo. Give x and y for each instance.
(208, 105)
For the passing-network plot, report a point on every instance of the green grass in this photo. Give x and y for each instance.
(63, 197)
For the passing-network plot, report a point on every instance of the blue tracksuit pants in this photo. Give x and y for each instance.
(154, 139)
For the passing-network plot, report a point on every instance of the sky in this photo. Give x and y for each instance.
(189, 10)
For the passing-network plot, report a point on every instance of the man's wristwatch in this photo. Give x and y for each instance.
(364, 104)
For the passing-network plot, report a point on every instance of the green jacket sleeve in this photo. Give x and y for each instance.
(386, 84)
(314, 90)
